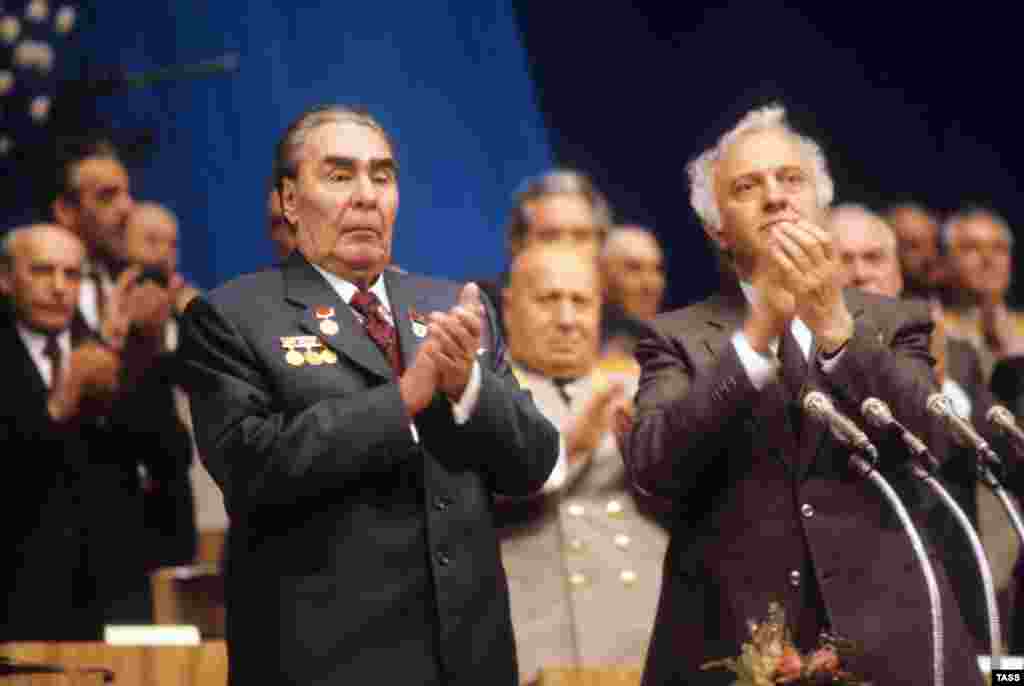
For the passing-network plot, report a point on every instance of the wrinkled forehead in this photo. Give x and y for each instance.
(561, 272)
(760, 151)
(50, 245)
(345, 139)
(860, 235)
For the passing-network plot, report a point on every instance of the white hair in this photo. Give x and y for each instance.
(840, 214)
(701, 170)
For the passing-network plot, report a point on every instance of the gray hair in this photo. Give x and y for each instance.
(701, 170)
(289, 149)
(849, 209)
(555, 182)
(613, 241)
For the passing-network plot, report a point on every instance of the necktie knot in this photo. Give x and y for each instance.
(378, 327)
(366, 303)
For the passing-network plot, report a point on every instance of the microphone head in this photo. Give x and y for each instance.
(817, 404)
(997, 414)
(876, 412)
(939, 405)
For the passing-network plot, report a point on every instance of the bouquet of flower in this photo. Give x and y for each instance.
(770, 657)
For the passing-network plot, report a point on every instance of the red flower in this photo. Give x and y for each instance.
(789, 666)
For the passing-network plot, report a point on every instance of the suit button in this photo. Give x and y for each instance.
(442, 503)
(794, 578)
(443, 558)
(806, 510)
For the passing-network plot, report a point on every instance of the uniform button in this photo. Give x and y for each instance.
(806, 510)
(443, 558)
(794, 578)
(442, 503)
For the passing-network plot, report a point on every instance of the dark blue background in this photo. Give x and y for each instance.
(448, 79)
(910, 101)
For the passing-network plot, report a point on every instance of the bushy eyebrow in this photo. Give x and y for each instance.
(376, 164)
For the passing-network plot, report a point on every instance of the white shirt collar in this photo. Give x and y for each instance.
(801, 333)
(346, 290)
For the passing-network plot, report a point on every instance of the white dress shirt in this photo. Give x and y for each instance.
(762, 369)
(346, 290)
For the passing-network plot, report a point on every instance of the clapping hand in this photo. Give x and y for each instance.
(458, 333)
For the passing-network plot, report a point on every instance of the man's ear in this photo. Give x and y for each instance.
(6, 283)
(65, 212)
(288, 194)
(717, 236)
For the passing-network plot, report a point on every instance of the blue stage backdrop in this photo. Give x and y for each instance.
(448, 79)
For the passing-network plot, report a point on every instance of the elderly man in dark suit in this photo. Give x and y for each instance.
(359, 421)
(766, 506)
(56, 570)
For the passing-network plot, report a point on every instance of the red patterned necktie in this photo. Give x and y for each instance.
(379, 328)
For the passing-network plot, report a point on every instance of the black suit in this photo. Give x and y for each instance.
(356, 555)
(76, 558)
(43, 569)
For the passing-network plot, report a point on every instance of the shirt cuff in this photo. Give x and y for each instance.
(560, 470)
(463, 409)
(760, 368)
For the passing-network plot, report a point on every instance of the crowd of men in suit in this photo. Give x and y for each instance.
(441, 483)
(90, 303)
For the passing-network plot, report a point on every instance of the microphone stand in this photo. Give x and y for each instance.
(984, 568)
(989, 479)
(864, 467)
(922, 466)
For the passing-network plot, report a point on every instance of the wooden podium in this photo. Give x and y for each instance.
(203, 665)
(590, 676)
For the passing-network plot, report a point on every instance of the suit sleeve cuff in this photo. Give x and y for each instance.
(463, 409)
(760, 368)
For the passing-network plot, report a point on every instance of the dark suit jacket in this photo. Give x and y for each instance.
(75, 558)
(356, 555)
(43, 514)
(764, 512)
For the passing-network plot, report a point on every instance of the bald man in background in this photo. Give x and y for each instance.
(54, 576)
(151, 245)
(633, 270)
(562, 600)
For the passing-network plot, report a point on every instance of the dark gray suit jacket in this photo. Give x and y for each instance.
(766, 506)
(356, 555)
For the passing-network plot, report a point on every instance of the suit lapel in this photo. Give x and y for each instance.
(308, 290)
(725, 314)
(403, 297)
(26, 364)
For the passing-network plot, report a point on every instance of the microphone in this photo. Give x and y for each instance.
(878, 415)
(1001, 418)
(941, 407)
(818, 405)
